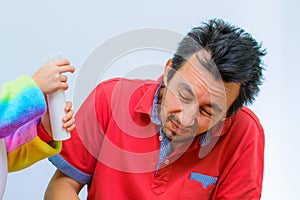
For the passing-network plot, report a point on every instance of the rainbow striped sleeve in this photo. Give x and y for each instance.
(21, 101)
(21, 105)
(25, 148)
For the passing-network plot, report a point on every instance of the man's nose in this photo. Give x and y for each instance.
(188, 116)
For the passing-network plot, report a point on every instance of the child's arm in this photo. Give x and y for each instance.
(21, 101)
(31, 142)
(28, 145)
(23, 113)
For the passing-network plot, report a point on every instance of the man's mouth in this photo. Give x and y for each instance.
(177, 129)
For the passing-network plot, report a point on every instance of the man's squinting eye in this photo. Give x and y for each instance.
(206, 112)
(184, 98)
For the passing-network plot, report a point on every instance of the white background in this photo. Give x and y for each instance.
(31, 29)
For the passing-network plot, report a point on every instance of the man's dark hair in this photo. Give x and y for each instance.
(236, 55)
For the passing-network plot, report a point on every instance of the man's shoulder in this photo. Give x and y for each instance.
(125, 82)
(247, 117)
(124, 88)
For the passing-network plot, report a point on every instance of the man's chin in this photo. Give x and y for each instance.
(177, 138)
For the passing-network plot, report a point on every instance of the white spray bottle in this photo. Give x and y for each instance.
(56, 105)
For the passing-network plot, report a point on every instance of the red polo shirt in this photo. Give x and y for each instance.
(115, 150)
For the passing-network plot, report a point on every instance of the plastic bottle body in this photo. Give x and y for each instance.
(56, 105)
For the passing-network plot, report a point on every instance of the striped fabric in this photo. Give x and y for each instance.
(22, 104)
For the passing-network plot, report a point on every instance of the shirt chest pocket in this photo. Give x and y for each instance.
(198, 186)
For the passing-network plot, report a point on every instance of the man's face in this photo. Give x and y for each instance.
(193, 100)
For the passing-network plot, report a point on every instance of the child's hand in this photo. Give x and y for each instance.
(68, 120)
(49, 77)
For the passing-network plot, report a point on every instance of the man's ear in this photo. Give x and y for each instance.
(168, 67)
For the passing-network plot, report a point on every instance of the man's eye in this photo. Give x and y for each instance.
(184, 98)
(205, 112)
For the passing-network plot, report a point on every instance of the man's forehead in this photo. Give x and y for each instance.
(200, 66)
(196, 76)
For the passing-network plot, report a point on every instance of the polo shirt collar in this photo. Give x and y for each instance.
(145, 104)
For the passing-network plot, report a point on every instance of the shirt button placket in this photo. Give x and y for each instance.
(167, 161)
(160, 138)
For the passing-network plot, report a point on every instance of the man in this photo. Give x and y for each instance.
(185, 136)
